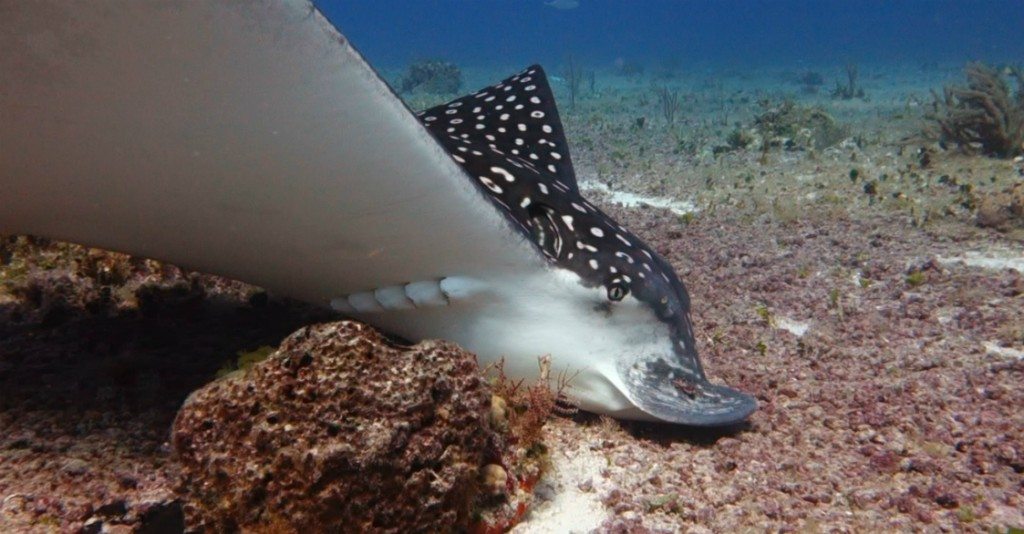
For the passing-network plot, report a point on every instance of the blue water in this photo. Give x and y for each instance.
(488, 33)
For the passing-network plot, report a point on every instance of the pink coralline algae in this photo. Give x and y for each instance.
(340, 430)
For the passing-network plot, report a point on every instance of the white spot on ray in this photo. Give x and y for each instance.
(567, 219)
(624, 240)
(489, 184)
(597, 232)
(543, 188)
(525, 202)
(505, 174)
(594, 265)
(556, 155)
(547, 128)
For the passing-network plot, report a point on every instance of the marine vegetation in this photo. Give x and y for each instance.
(984, 117)
(518, 455)
(432, 76)
(573, 74)
(851, 89)
(669, 103)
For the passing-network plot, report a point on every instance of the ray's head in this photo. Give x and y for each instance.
(619, 303)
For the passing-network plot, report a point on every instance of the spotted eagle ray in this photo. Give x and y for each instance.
(251, 140)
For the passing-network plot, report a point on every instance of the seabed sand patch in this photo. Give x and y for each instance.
(797, 328)
(993, 349)
(996, 259)
(632, 200)
(562, 505)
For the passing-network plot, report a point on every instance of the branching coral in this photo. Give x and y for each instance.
(984, 117)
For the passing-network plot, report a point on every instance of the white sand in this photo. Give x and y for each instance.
(562, 507)
(797, 328)
(990, 260)
(993, 349)
(631, 200)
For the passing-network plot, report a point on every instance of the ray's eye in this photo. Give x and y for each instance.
(617, 292)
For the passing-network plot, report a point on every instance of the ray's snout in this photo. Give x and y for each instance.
(676, 394)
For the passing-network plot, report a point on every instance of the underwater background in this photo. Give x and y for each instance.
(484, 33)
(839, 184)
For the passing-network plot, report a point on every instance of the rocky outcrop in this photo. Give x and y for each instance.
(339, 430)
(1003, 210)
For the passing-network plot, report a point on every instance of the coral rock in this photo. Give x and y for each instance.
(1003, 210)
(340, 430)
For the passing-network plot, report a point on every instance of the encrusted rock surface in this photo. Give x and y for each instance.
(97, 352)
(1003, 210)
(340, 430)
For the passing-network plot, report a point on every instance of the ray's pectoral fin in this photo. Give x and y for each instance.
(678, 392)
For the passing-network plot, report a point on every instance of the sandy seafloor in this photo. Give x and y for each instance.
(883, 334)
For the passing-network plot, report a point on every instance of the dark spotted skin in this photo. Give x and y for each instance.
(509, 139)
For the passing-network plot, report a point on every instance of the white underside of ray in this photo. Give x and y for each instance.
(510, 316)
(251, 140)
(244, 139)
